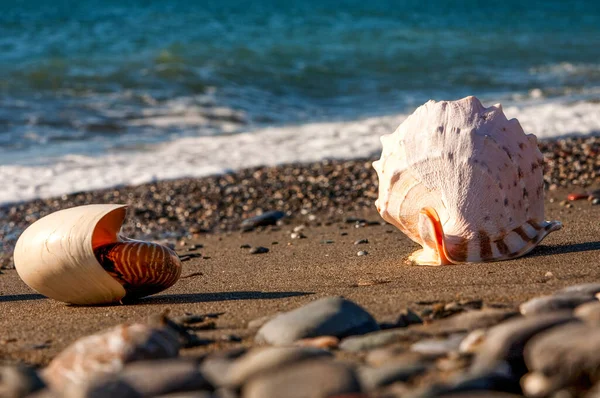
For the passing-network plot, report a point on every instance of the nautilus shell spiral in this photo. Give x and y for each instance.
(77, 256)
(464, 182)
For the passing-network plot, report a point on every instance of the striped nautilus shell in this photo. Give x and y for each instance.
(464, 182)
(77, 256)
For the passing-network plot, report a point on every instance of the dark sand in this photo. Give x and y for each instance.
(33, 329)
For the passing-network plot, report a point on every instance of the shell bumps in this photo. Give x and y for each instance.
(76, 256)
(463, 182)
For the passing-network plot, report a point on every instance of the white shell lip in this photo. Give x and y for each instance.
(55, 255)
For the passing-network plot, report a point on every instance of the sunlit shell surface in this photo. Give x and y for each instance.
(76, 255)
(463, 182)
(108, 352)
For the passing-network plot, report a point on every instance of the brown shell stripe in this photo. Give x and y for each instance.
(485, 246)
(142, 268)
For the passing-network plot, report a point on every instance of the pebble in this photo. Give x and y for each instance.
(259, 250)
(245, 246)
(362, 253)
(168, 376)
(506, 341)
(589, 312)
(266, 360)
(330, 316)
(381, 338)
(544, 304)
(563, 356)
(372, 378)
(584, 288)
(19, 381)
(361, 242)
(297, 235)
(317, 378)
(438, 346)
(267, 218)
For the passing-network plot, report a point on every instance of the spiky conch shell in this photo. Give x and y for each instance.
(463, 182)
(58, 256)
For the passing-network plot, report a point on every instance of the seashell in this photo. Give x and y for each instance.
(76, 256)
(108, 352)
(463, 182)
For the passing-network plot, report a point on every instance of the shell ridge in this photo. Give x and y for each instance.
(478, 168)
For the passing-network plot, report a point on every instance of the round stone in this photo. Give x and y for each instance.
(330, 316)
(268, 359)
(318, 378)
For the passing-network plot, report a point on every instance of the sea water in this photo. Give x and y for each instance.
(97, 93)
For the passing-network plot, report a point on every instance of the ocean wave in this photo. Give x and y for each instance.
(206, 155)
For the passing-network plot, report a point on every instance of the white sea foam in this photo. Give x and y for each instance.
(201, 156)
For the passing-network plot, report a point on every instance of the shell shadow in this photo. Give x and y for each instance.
(545, 250)
(220, 296)
(21, 297)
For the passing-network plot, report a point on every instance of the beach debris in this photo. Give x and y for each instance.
(259, 250)
(77, 256)
(297, 235)
(361, 241)
(467, 168)
(362, 253)
(107, 353)
(329, 316)
(189, 256)
(264, 219)
(191, 275)
(245, 246)
(576, 196)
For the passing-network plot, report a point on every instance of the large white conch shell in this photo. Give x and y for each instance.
(463, 182)
(76, 256)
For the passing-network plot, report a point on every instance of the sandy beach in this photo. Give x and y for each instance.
(226, 278)
(313, 253)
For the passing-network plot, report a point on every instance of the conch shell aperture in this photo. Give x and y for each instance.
(464, 182)
(76, 256)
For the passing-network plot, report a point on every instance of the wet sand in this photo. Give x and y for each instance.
(295, 271)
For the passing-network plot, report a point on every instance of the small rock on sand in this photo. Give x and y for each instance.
(331, 316)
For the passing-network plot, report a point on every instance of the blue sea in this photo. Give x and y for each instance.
(101, 93)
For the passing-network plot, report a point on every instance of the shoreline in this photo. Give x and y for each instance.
(169, 210)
